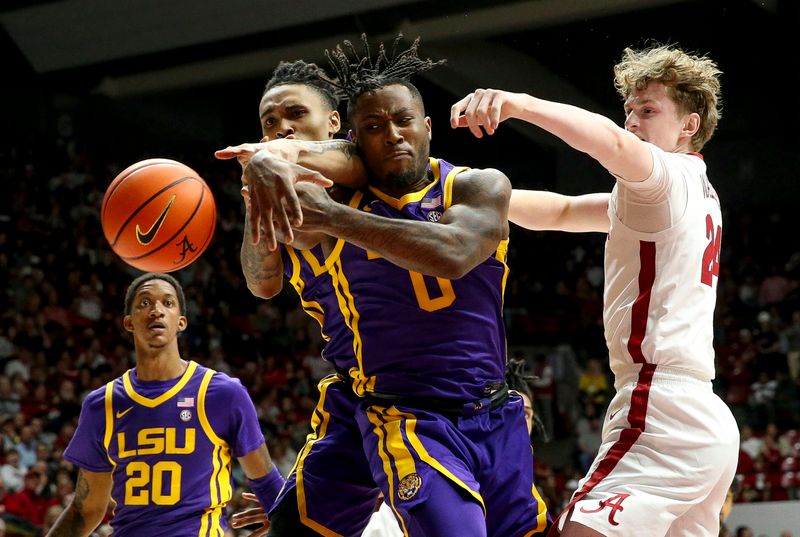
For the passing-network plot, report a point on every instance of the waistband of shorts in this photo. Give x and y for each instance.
(447, 407)
(662, 375)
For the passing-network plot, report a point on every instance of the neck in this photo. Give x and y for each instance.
(161, 364)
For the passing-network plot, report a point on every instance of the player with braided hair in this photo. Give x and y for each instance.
(420, 281)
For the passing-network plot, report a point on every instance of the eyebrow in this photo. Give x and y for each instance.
(288, 107)
(403, 110)
(148, 294)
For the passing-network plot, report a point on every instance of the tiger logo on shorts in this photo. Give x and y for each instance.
(409, 486)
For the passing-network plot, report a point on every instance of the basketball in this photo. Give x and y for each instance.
(158, 215)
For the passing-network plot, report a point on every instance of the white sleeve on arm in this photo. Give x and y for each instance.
(656, 203)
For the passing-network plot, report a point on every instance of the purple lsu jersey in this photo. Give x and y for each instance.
(417, 335)
(168, 446)
(308, 272)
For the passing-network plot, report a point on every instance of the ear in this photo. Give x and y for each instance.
(334, 122)
(691, 124)
(428, 127)
(127, 323)
(183, 322)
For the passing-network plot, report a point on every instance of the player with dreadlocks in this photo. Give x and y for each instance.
(420, 281)
(299, 105)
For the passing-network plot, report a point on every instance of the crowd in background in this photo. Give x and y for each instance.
(61, 334)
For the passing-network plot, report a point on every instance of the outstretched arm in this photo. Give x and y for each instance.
(540, 210)
(468, 232)
(271, 170)
(619, 151)
(88, 506)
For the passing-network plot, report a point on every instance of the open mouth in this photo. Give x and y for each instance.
(157, 326)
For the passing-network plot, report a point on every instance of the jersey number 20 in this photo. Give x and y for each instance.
(146, 484)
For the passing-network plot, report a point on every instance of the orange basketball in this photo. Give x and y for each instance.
(158, 215)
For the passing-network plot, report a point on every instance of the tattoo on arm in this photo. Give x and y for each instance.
(341, 146)
(71, 521)
(258, 263)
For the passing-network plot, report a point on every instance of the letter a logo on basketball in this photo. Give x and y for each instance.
(147, 237)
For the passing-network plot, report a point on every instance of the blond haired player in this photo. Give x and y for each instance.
(670, 445)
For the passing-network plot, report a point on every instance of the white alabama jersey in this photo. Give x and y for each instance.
(661, 288)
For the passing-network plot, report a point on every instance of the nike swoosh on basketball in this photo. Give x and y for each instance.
(146, 237)
(120, 414)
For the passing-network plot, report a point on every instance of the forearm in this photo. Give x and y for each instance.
(335, 159)
(432, 249)
(72, 523)
(262, 268)
(583, 130)
(540, 210)
(87, 508)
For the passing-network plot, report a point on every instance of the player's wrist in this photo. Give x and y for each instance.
(268, 487)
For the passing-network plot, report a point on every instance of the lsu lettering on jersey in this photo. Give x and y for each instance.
(168, 446)
(416, 335)
(660, 294)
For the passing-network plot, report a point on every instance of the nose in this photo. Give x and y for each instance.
(393, 135)
(157, 310)
(285, 130)
(631, 121)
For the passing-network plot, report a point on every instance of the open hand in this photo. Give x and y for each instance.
(254, 515)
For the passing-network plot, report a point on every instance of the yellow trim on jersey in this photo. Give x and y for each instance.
(152, 403)
(313, 262)
(211, 513)
(541, 514)
(372, 413)
(399, 203)
(347, 306)
(319, 427)
(311, 307)
(422, 453)
(220, 483)
(108, 434)
(501, 255)
(448, 185)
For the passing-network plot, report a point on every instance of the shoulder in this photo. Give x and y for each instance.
(96, 399)
(482, 182)
(224, 388)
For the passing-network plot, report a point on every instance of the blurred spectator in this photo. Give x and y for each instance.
(32, 502)
(12, 472)
(594, 386)
(26, 446)
(751, 444)
(791, 338)
(544, 391)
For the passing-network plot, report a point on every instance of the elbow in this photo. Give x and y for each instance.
(265, 289)
(454, 267)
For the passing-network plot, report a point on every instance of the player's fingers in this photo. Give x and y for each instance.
(250, 516)
(249, 496)
(233, 151)
(472, 113)
(494, 106)
(260, 532)
(268, 231)
(456, 119)
(255, 217)
(315, 177)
